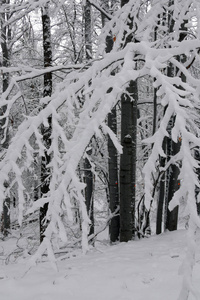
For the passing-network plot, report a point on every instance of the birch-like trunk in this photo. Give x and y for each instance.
(46, 131)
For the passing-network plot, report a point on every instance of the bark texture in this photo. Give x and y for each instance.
(87, 166)
(4, 135)
(128, 162)
(46, 131)
(128, 159)
(113, 169)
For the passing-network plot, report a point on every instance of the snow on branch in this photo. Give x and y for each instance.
(179, 98)
(85, 121)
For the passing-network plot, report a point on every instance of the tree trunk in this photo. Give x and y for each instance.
(5, 36)
(128, 162)
(89, 191)
(88, 30)
(128, 158)
(172, 147)
(172, 182)
(197, 157)
(87, 166)
(162, 183)
(161, 198)
(46, 131)
(113, 186)
(113, 179)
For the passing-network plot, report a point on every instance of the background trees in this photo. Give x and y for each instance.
(159, 129)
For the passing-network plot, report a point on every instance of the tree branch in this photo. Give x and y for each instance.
(99, 8)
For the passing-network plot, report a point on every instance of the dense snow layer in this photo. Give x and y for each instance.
(138, 270)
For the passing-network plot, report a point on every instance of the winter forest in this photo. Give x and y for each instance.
(100, 148)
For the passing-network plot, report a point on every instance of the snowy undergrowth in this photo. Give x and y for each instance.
(137, 270)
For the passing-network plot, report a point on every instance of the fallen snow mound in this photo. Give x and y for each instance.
(138, 270)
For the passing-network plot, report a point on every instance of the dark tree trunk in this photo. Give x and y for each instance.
(197, 157)
(113, 185)
(46, 131)
(172, 181)
(89, 191)
(173, 148)
(4, 135)
(161, 198)
(87, 166)
(128, 158)
(47, 49)
(128, 162)
(123, 2)
(162, 183)
(113, 179)
(88, 30)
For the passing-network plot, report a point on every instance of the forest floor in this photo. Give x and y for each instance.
(137, 270)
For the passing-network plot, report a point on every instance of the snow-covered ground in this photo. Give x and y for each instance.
(138, 270)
